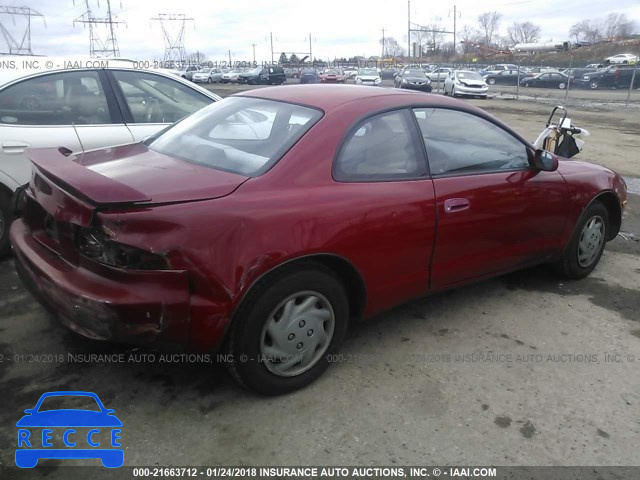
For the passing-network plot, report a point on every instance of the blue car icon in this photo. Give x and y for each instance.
(100, 424)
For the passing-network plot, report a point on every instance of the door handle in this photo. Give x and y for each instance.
(456, 204)
(14, 147)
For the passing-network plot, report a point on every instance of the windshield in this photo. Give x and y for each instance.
(468, 76)
(368, 71)
(331, 71)
(205, 70)
(238, 135)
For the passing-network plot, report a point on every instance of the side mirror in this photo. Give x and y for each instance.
(545, 161)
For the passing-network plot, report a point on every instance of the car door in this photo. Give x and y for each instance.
(495, 212)
(382, 170)
(72, 109)
(151, 102)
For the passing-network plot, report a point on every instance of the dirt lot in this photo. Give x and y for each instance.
(520, 370)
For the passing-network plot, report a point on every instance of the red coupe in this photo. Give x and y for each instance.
(332, 75)
(263, 224)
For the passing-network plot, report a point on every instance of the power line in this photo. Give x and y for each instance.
(174, 50)
(98, 47)
(24, 47)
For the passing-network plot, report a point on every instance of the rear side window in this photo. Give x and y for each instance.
(57, 99)
(382, 147)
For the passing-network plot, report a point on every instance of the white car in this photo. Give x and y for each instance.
(231, 76)
(350, 72)
(464, 82)
(439, 74)
(208, 75)
(623, 58)
(82, 109)
(368, 76)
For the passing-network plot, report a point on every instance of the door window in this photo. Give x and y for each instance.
(382, 147)
(56, 99)
(461, 143)
(155, 98)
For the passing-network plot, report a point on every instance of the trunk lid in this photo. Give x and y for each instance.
(132, 174)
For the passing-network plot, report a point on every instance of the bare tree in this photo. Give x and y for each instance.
(469, 36)
(489, 22)
(593, 34)
(391, 47)
(196, 58)
(577, 29)
(525, 32)
(612, 25)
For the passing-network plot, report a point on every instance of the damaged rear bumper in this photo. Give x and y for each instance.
(137, 307)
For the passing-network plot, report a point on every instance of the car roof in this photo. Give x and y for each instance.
(328, 97)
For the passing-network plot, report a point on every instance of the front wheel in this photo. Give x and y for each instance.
(594, 84)
(287, 328)
(491, 81)
(562, 86)
(582, 254)
(209, 80)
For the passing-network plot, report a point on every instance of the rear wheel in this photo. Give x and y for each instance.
(286, 328)
(491, 81)
(6, 217)
(587, 243)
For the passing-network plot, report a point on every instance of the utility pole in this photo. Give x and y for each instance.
(271, 37)
(310, 51)
(454, 29)
(24, 47)
(98, 48)
(382, 58)
(174, 50)
(254, 52)
(230, 65)
(408, 28)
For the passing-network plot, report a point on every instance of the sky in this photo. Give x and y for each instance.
(337, 27)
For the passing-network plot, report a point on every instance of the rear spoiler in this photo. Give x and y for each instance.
(66, 171)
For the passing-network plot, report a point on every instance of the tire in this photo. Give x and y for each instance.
(593, 84)
(562, 86)
(6, 217)
(453, 92)
(251, 341)
(444, 90)
(491, 81)
(209, 80)
(585, 248)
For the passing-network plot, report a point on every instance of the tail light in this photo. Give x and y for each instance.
(94, 244)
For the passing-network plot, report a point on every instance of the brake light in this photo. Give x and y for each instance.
(94, 244)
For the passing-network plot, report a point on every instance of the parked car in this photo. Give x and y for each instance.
(83, 108)
(187, 71)
(266, 245)
(332, 75)
(465, 83)
(622, 59)
(208, 75)
(546, 80)
(350, 72)
(231, 76)
(412, 78)
(505, 77)
(368, 76)
(309, 75)
(614, 76)
(501, 67)
(292, 72)
(596, 65)
(532, 72)
(439, 74)
(271, 75)
(577, 73)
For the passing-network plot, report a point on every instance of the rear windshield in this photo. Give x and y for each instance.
(238, 135)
